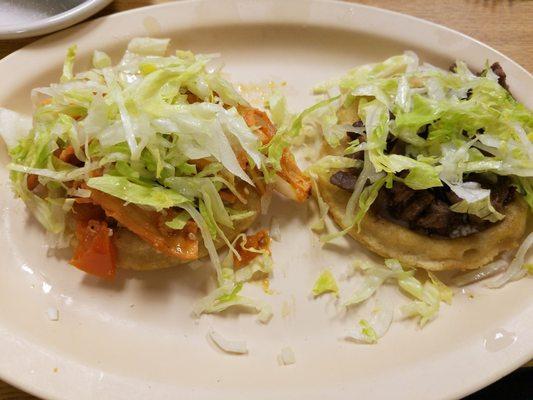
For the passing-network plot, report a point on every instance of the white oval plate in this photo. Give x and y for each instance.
(135, 338)
(26, 18)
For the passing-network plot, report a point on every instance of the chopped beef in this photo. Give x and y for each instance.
(400, 195)
(396, 146)
(360, 155)
(426, 211)
(496, 68)
(439, 219)
(415, 208)
(344, 179)
(502, 77)
(423, 132)
(501, 195)
(452, 197)
(355, 135)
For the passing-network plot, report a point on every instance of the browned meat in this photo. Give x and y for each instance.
(344, 179)
(416, 207)
(396, 146)
(428, 211)
(424, 131)
(496, 68)
(501, 195)
(502, 77)
(354, 135)
(452, 197)
(400, 195)
(439, 219)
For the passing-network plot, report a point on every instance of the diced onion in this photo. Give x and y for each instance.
(229, 346)
(286, 357)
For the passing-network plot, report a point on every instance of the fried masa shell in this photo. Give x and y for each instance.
(136, 254)
(391, 240)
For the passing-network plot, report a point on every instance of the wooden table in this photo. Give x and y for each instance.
(505, 25)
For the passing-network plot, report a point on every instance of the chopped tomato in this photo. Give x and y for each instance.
(200, 163)
(192, 98)
(242, 159)
(182, 244)
(258, 241)
(95, 253)
(227, 196)
(292, 174)
(67, 155)
(259, 119)
(84, 211)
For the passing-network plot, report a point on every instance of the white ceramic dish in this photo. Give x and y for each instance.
(135, 338)
(26, 18)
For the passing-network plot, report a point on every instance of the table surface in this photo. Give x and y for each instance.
(502, 24)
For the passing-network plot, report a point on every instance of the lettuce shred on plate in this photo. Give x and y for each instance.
(426, 295)
(250, 261)
(325, 283)
(163, 141)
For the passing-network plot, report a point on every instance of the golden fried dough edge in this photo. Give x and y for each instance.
(136, 254)
(391, 240)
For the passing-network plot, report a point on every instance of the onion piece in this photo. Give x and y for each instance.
(286, 357)
(515, 270)
(52, 314)
(479, 274)
(228, 346)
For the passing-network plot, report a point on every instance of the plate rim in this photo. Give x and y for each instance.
(54, 23)
(465, 389)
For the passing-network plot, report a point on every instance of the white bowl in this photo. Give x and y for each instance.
(26, 18)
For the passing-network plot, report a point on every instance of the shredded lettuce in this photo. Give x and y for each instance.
(149, 46)
(179, 221)
(426, 295)
(369, 331)
(375, 276)
(68, 66)
(323, 207)
(286, 135)
(101, 59)
(518, 266)
(227, 296)
(482, 208)
(325, 283)
(118, 186)
(445, 292)
(142, 124)
(13, 127)
(277, 104)
(452, 124)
